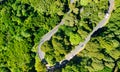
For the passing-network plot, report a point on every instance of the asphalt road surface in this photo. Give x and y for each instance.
(47, 37)
(81, 45)
(102, 23)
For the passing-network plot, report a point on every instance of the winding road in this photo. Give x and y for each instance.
(47, 37)
(102, 23)
(81, 45)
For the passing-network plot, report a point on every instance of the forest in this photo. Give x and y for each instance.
(24, 22)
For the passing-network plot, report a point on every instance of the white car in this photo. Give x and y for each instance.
(107, 15)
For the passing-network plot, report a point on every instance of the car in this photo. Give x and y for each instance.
(63, 63)
(44, 61)
(57, 65)
(107, 15)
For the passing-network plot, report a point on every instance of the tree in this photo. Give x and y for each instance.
(90, 45)
(5, 16)
(82, 33)
(25, 1)
(108, 59)
(84, 2)
(115, 54)
(69, 20)
(106, 69)
(74, 38)
(110, 65)
(105, 44)
(17, 56)
(38, 65)
(72, 68)
(47, 6)
(97, 64)
(58, 46)
(118, 64)
(46, 47)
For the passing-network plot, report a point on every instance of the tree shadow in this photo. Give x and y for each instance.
(58, 66)
(75, 60)
(99, 32)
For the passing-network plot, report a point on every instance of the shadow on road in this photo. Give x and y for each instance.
(99, 32)
(58, 66)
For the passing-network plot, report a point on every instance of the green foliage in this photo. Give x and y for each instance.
(25, 1)
(97, 64)
(74, 38)
(108, 59)
(47, 6)
(5, 14)
(84, 2)
(18, 57)
(115, 54)
(106, 69)
(90, 45)
(38, 65)
(46, 47)
(83, 34)
(118, 64)
(58, 46)
(69, 20)
(20, 28)
(24, 22)
(71, 68)
(110, 65)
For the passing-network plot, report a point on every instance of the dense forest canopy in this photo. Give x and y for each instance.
(24, 22)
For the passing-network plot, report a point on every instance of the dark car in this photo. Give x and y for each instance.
(57, 65)
(44, 61)
(63, 63)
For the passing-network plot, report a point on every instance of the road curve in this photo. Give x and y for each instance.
(47, 37)
(81, 45)
(102, 23)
